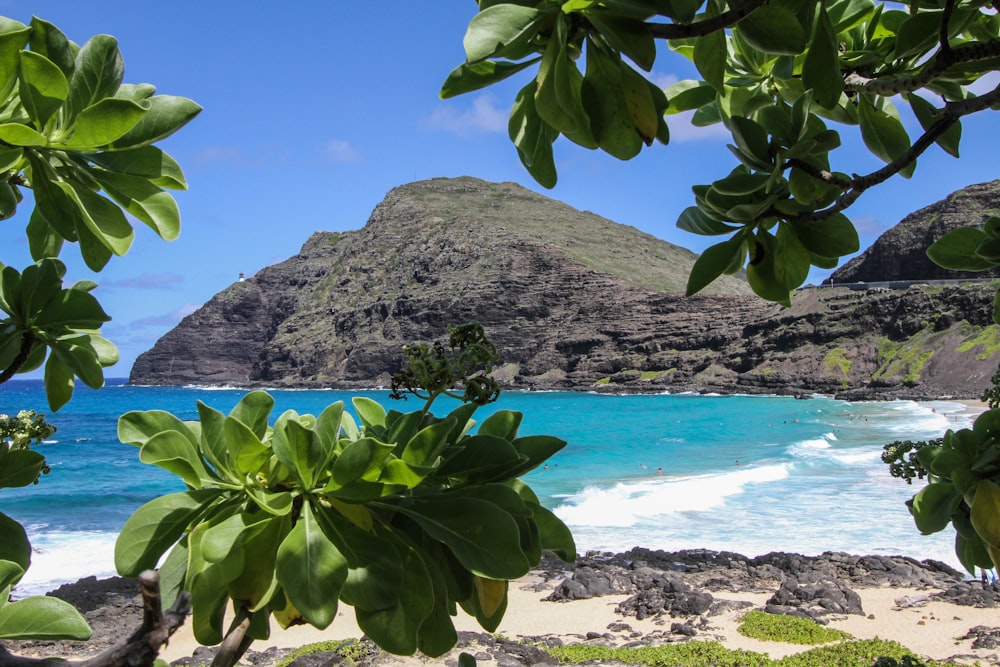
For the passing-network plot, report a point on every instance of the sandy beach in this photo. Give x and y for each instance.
(932, 630)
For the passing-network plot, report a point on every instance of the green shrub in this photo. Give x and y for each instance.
(792, 629)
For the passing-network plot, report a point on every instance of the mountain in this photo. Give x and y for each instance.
(572, 300)
(901, 252)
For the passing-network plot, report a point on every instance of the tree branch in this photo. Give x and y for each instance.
(820, 174)
(708, 26)
(27, 342)
(141, 648)
(944, 59)
(950, 115)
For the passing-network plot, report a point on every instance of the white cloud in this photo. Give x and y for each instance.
(338, 150)
(167, 319)
(484, 117)
(148, 281)
(681, 129)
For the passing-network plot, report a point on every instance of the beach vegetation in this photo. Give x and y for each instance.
(782, 78)
(787, 628)
(986, 343)
(837, 364)
(403, 516)
(853, 653)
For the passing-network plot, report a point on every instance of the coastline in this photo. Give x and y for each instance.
(599, 601)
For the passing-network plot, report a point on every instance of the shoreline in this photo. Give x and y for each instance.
(603, 600)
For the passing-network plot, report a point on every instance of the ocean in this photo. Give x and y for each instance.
(750, 474)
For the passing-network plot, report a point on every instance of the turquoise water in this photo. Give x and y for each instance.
(744, 473)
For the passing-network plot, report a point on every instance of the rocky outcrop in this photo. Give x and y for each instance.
(901, 253)
(573, 301)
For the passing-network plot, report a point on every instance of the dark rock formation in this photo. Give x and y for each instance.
(901, 253)
(573, 301)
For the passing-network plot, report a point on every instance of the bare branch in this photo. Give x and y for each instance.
(714, 24)
(949, 7)
(141, 648)
(951, 113)
(889, 86)
(820, 174)
(22, 356)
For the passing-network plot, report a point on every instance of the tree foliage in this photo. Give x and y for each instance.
(777, 74)
(84, 143)
(405, 516)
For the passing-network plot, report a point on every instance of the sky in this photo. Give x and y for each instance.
(314, 110)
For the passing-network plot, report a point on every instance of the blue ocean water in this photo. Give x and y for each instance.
(750, 474)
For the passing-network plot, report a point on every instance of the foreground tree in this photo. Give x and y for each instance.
(774, 73)
(83, 142)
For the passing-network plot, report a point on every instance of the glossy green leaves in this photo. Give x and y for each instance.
(399, 517)
(963, 490)
(970, 249)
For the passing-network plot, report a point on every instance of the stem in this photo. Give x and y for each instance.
(950, 115)
(945, 58)
(708, 26)
(27, 342)
(236, 642)
(141, 648)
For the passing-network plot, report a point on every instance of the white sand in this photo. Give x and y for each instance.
(930, 631)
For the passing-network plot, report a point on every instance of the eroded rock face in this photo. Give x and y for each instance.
(573, 301)
(901, 253)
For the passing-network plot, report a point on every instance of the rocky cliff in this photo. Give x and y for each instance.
(901, 253)
(573, 301)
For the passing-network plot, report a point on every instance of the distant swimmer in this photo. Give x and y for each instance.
(737, 461)
(643, 466)
(659, 471)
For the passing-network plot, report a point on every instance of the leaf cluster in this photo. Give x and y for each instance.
(974, 248)
(405, 517)
(773, 73)
(901, 457)
(963, 473)
(83, 142)
(433, 370)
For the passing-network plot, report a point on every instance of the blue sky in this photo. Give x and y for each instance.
(314, 110)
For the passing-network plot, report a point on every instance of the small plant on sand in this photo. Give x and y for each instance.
(791, 629)
(405, 516)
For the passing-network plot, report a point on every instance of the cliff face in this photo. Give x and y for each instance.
(573, 301)
(901, 253)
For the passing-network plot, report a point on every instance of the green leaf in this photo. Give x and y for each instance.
(536, 449)
(361, 459)
(689, 94)
(396, 629)
(424, 447)
(298, 448)
(369, 412)
(821, 66)
(19, 467)
(752, 139)
(474, 76)
(532, 137)
(917, 33)
(59, 382)
(71, 308)
(483, 537)
(956, 250)
(713, 262)
(137, 427)
(166, 114)
(710, 57)
(13, 37)
(483, 458)
(630, 36)
(884, 135)
(42, 86)
(144, 200)
(773, 29)
(14, 545)
(928, 115)
(172, 451)
(102, 219)
(833, 237)
(791, 259)
(47, 40)
(502, 424)
(604, 102)
(97, 74)
(17, 134)
(157, 526)
(553, 533)
(312, 570)
(497, 28)
(933, 506)
(42, 617)
(985, 512)
(694, 220)
(148, 162)
(103, 122)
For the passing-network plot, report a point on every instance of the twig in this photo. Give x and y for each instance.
(951, 113)
(141, 648)
(889, 86)
(27, 342)
(708, 26)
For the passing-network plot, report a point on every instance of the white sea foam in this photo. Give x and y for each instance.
(630, 503)
(59, 557)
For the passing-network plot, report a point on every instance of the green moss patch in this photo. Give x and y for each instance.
(986, 343)
(836, 364)
(791, 629)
